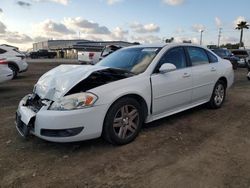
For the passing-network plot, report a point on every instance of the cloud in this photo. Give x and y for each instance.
(179, 30)
(85, 26)
(146, 39)
(40, 38)
(111, 2)
(147, 28)
(116, 34)
(2, 28)
(1, 10)
(218, 21)
(63, 2)
(16, 37)
(229, 39)
(119, 34)
(194, 40)
(13, 37)
(69, 28)
(198, 27)
(173, 2)
(49, 28)
(23, 4)
(238, 20)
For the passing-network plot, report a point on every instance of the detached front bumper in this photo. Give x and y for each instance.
(60, 126)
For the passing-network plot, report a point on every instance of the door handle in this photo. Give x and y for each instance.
(186, 75)
(213, 69)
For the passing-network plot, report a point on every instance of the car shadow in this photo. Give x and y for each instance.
(100, 143)
(169, 120)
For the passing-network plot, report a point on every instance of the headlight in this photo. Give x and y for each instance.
(74, 102)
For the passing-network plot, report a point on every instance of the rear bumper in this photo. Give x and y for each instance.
(5, 74)
(24, 70)
(23, 66)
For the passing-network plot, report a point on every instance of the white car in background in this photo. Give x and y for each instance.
(15, 59)
(88, 57)
(5, 72)
(131, 86)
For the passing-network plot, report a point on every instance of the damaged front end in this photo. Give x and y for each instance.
(100, 78)
(28, 107)
(64, 88)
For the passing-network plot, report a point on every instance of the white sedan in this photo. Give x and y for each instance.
(113, 98)
(5, 72)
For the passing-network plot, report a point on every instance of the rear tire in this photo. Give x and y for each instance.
(218, 96)
(14, 70)
(123, 121)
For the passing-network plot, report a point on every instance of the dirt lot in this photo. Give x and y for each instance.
(197, 148)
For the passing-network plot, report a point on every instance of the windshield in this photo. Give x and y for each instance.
(135, 60)
(222, 53)
(240, 52)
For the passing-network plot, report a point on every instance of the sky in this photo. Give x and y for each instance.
(23, 22)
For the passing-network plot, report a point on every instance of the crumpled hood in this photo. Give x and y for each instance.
(58, 81)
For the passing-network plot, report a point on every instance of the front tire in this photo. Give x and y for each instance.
(218, 96)
(123, 121)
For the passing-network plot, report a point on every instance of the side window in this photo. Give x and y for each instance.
(175, 56)
(212, 57)
(197, 56)
(2, 51)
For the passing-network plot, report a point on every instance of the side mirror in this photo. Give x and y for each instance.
(167, 67)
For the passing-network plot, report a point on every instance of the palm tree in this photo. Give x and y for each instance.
(241, 26)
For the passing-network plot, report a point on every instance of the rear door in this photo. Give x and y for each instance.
(172, 90)
(204, 73)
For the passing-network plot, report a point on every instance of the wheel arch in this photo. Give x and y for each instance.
(138, 98)
(224, 79)
(11, 63)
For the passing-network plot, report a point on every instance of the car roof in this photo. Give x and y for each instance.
(219, 49)
(236, 50)
(162, 45)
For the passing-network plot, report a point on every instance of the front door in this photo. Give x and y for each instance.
(172, 90)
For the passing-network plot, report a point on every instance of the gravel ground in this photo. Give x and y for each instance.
(196, 148)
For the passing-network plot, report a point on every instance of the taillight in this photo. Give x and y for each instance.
(91, 55)
(3, 62)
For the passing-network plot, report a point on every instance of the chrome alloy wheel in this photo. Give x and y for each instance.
(126, 121)
(219, 94)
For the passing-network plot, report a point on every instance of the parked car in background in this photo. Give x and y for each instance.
(226, 54)
(244, 56)
(42, 54)
(88, 57)
(107, 50)
(113, 98)
(5, 72)
(14, 58)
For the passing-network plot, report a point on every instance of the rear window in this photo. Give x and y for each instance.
(197, 56)
(242, 52)
(17, 51)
